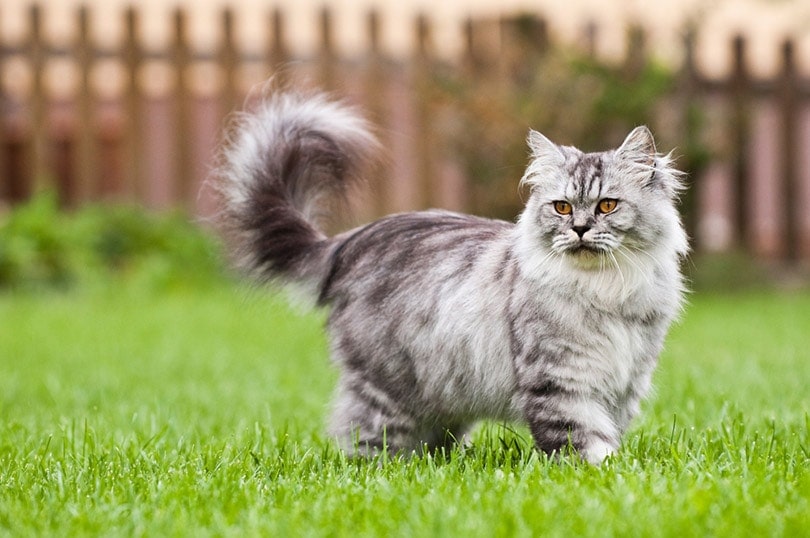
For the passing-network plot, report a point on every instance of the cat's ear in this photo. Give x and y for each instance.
(639, 146)
(544, 149)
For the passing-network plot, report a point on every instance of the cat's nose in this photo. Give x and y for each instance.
(580, 230)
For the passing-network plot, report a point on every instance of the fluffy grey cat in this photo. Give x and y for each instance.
(438, 319)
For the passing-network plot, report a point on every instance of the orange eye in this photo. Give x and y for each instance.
(563, 208)
(607, 205)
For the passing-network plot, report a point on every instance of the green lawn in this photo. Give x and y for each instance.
(194, 412)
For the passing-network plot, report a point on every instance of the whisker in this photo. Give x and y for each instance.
(632, 260)
(619, 269)
(642, 252)
(545, 258)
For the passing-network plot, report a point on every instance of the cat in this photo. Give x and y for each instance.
(437, 320)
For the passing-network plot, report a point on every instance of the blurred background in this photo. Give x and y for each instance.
(114, 101)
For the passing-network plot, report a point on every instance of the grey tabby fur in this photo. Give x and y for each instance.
(438, 319)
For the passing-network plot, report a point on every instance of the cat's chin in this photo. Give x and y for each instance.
(583, 257)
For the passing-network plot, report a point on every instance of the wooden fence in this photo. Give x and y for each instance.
(752, 189)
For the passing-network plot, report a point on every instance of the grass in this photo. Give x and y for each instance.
(194, 412)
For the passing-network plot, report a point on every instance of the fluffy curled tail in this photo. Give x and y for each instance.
(284, 164)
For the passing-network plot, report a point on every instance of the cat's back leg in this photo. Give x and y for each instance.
(365, 419)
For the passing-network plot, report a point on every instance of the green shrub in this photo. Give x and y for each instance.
(34, 245)
(43, 246)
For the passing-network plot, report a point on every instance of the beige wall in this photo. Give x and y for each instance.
(767, 22)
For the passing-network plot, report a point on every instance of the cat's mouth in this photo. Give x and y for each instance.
(586, 256)
(584, 249)
(583, 253)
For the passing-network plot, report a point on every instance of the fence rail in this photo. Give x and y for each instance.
(155, 146)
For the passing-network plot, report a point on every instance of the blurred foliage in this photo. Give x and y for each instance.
(727, 272)
(735, 271)
(42, 246)
(570, 97)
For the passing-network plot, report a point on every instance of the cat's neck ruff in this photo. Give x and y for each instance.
(609, 280)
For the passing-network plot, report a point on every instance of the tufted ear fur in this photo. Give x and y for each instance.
(544, 149)
(639, 146)
(547, 159)
(657, 171)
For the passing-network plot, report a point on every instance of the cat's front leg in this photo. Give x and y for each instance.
(597, 450)
(561, 418)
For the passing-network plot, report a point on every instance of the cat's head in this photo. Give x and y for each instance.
(596, 207)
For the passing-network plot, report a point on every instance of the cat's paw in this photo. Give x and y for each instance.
(597, 451)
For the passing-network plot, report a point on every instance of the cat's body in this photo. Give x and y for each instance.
(438, 319)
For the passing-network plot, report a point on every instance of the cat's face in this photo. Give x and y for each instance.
(594, 207)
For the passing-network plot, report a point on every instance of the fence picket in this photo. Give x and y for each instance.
(181, 60)
(85, 166)
(278, 53)
(740, 139)
(36, 152)
(788, 96)
(134, 128)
